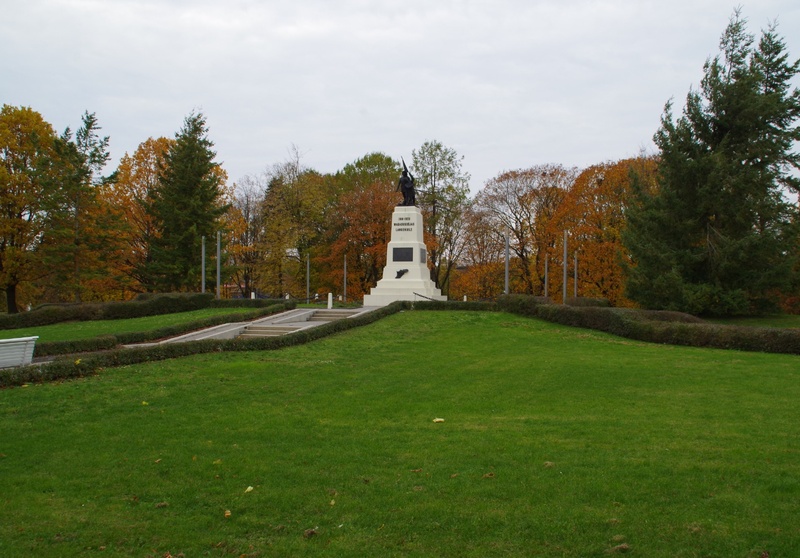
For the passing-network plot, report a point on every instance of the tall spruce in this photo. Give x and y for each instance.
(716, 236)
(187, 205)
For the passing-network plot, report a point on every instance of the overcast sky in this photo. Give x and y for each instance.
(508, 84)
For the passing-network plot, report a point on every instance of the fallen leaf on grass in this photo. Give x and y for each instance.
(333, 502)
(308, 533)
(145, 403)
(438, 420)
(248, 489)
(549, 464)
(162, 505)
(488, 476)
(227, 514)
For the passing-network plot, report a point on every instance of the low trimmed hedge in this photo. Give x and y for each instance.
(151, 305)
(105, 342)
(454, 305)
(68, 368)
(653, 326)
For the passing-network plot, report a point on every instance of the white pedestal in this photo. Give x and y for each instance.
(406, 275)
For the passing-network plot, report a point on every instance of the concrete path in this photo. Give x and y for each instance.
(277, 324)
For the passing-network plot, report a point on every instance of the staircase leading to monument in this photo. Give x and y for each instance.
(275, 330)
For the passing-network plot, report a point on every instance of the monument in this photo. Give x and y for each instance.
(406, 275)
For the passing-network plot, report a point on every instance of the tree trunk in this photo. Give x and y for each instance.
(11, 299)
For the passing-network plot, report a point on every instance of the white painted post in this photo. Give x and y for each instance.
(330, 301)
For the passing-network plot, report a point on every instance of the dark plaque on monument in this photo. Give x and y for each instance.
(402, 254)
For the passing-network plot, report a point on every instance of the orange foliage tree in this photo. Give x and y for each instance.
(523, 204)
(132, 195)
(481, 274)
(358, 224)
(593, 213)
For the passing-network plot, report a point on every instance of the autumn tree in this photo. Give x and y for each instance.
(593, 213)
(245, 222)
(442, 194)
(359, 222)
(522, 204)
(187, 206)
(717, 235)
(26, 157)
(83, 237)
(481, 271)
(132, 193)
(293, 219)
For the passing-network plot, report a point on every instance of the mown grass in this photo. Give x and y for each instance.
(555, 442)
(73, 331)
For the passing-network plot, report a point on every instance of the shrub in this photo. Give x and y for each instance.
(583, 301)
(454, 305)
(523, 305)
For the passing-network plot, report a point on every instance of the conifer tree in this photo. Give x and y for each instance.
(716, 235)
(187, 205)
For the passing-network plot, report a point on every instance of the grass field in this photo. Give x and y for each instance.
(555, 442)
(73, 331)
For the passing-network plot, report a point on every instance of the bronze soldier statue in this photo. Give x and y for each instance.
(406, 186)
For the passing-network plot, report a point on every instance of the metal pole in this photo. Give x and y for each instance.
(507, 258)
(219, 251)
(546, 274)
(566, 264)
(308, 278)
(203, 265)
(575, 280)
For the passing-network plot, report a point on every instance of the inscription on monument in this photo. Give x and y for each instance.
(404, 224)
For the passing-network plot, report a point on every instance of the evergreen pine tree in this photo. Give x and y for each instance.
(187, 206)
(716, 235)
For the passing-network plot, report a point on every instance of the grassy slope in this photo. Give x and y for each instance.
(556, 442)
(72, 331)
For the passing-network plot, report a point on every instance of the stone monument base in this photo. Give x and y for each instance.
(406, 275)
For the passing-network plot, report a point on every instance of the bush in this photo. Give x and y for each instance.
(583, 301)
(150, 305)
(454, 305)
(524, 305)
(251, 303)
(674, 328)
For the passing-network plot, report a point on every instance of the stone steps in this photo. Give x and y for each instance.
(253, 331)
(332, 315)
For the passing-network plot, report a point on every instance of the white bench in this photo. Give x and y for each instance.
(16, 352)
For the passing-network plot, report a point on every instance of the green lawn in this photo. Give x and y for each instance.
(73, 331)
(555, 442)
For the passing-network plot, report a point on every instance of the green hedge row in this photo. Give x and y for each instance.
(67, 368)
(672, 328)
(151, 305)
(454, 305)
(105, 342)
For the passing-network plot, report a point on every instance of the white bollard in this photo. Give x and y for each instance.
(330, 301)
(252, 296)
(465, 298)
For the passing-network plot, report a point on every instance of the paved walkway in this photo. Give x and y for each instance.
(276, 324)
